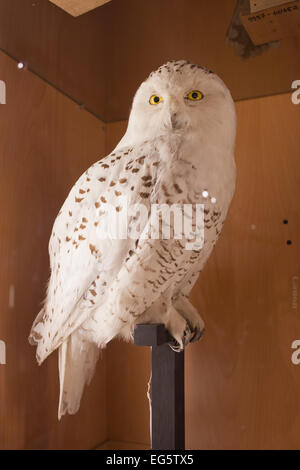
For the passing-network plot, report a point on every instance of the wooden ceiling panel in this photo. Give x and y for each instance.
(68, 52)
(78, 7)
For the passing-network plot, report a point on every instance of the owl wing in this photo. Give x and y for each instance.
(83, 264)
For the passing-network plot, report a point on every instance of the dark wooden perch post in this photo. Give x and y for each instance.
(168, 430)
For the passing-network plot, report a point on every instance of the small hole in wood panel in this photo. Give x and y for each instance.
(289, 242)
(285, 221)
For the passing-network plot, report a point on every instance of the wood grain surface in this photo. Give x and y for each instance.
(46, 142)
(68, 52)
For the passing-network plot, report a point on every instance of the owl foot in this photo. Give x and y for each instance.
(197, 334)
(192, 317)
(191, 335)
(186, 339)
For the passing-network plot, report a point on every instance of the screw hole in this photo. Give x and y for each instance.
(289, 242)
(285, 221)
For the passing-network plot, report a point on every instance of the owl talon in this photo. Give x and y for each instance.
(175, 346)
(198, 334)
(186, 339)
(191, 335)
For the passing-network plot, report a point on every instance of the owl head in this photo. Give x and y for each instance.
(180, 98)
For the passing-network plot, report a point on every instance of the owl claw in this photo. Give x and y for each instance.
(175, 346)
(198, 334)
(191, 335)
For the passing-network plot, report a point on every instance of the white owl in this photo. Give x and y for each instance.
(178, 149)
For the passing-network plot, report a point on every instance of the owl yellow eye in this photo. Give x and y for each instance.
(194, 95)
(155, 99)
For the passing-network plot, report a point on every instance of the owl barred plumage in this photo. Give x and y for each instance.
(178, 149)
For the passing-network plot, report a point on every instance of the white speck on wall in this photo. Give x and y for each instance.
(11, 296)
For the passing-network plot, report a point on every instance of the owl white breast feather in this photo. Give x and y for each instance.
(111, 267)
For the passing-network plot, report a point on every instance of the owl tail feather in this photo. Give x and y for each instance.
(77, 359)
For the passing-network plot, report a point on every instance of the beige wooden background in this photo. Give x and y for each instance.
(242, 391)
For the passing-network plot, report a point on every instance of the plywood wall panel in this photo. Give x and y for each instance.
(78, 7)
(128, 374)
(242, 389)
(68, 52)
(46, 142)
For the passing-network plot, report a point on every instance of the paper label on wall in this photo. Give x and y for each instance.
(257, 5)
(273, 23)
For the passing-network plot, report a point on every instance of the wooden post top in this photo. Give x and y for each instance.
(151, 334)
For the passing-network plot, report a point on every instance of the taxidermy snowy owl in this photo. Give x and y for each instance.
(178, 151)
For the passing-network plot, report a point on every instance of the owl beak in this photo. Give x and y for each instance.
(174, 121)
